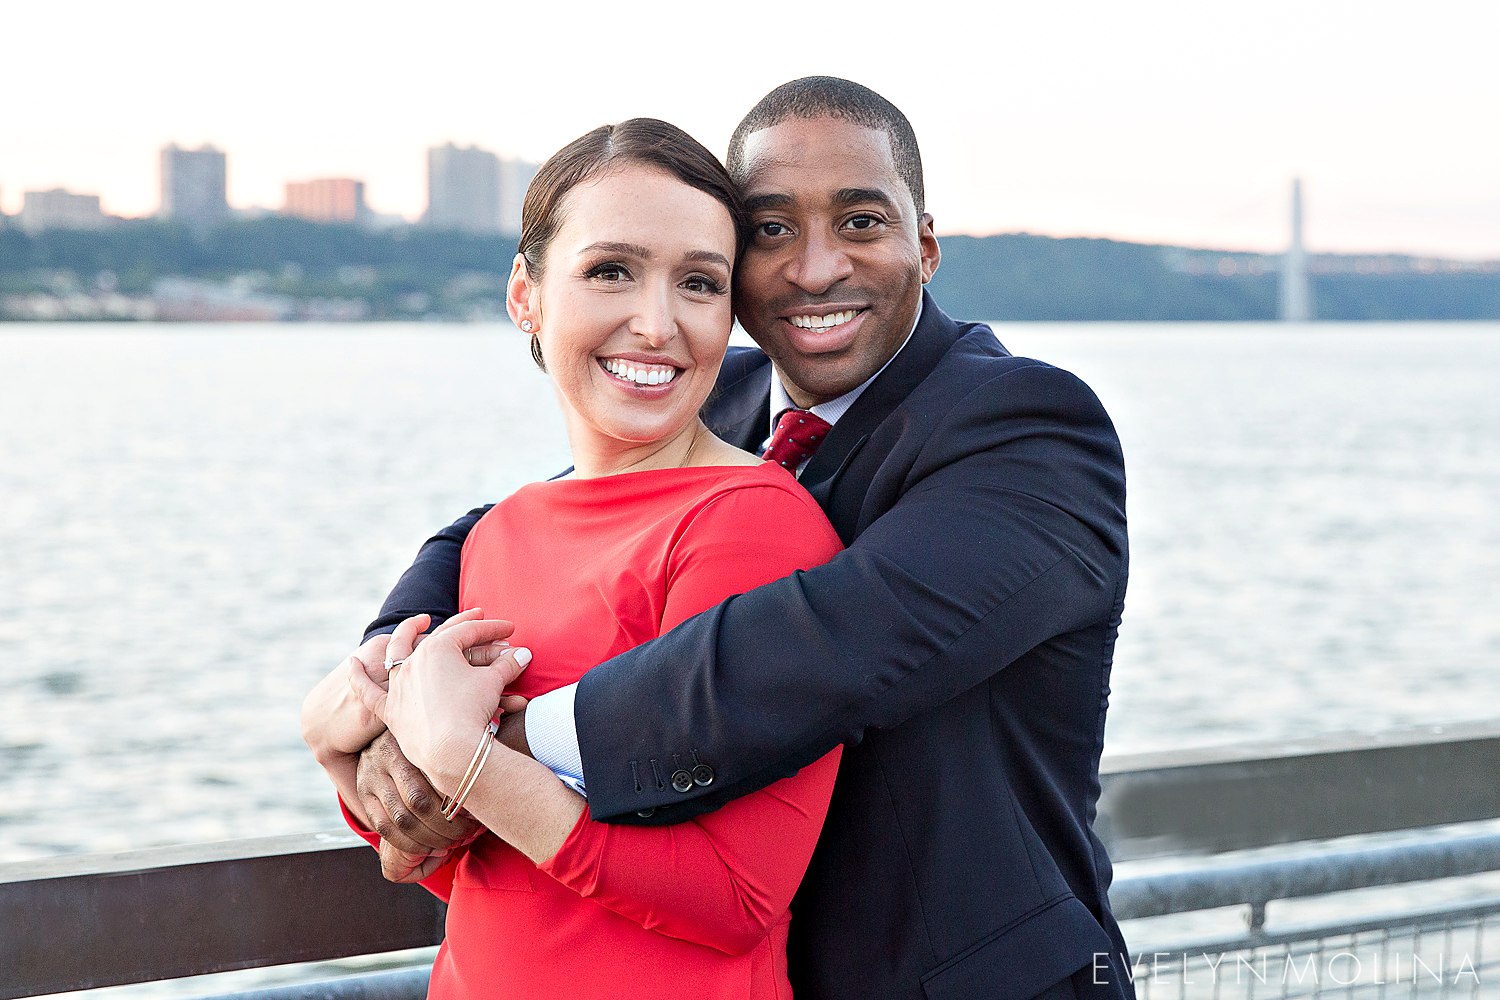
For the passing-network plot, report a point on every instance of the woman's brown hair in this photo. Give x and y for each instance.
(645, 141)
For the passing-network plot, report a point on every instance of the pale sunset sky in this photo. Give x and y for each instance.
(1174, 121)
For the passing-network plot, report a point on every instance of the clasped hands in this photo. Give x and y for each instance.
(414, 729)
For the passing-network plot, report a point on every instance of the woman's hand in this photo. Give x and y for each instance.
(334, 721)
(440, 696)
(398, 866)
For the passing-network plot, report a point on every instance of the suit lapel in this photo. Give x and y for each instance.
(736, 411)
(935, 334)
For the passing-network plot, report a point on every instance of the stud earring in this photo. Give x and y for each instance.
(525, 326)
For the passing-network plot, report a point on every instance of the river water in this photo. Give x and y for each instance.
(196, 522)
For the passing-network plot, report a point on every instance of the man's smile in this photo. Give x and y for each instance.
(830, 329)
(822, 321)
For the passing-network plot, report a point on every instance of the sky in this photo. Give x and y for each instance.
(1163, 121)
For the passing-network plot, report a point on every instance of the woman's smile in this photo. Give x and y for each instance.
(640, 374)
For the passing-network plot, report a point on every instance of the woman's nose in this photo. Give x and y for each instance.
(655, 319)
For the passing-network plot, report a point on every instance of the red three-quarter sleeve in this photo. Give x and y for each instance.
(726, 878)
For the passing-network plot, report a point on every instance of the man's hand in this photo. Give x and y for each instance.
(405, 809)
(512, 732)
(399, 865)
(400, 802)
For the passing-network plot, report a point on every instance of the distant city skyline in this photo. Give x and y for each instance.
(473, 190)
(194, 186)
(468, 189)
(1165, 121)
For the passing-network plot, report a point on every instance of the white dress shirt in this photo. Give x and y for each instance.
(550, 729)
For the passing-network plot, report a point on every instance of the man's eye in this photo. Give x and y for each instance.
(861, 222)
(772, 229)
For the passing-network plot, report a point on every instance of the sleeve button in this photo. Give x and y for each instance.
(682, 781)
(646, 813)
(703, 776)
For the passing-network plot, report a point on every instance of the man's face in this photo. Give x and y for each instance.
(832, 280)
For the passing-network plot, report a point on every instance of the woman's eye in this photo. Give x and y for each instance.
(609, 273)
(702, 284)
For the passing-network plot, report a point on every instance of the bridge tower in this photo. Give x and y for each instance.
(1296, 296)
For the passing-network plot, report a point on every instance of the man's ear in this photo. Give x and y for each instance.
(932, 254)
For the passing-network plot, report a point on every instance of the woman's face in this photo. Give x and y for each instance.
(633, 308)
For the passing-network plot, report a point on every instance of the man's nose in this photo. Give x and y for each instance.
(821, 263)
(655, 316)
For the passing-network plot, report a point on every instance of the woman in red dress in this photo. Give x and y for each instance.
(630, 235)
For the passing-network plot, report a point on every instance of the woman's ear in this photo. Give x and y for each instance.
(521, 301)
(520, 295)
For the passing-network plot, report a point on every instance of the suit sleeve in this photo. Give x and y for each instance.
(1007, 530)
(430, 585)
(724, 879)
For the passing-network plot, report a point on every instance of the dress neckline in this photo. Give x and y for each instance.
(691, 471)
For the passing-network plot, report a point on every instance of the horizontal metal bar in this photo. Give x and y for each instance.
(75, 924)
(1469, 912)
(411, 984)
(1212, 886)
(1208, 801)
(177, 912)
(404, 984)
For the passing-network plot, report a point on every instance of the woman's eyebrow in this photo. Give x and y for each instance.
(707, 257)
(632, 249)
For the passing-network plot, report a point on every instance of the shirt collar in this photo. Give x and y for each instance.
(832, 410)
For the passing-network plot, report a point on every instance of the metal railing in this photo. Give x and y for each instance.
(1306, 795)
(1439, 954)
(1209, 801)
(1367, 949)
(80, 923)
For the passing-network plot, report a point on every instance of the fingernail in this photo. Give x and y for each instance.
(523, 655)
(500, 644)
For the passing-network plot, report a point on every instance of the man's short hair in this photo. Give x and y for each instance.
(832, 97)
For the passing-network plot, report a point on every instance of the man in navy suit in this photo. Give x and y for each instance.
(960, 647)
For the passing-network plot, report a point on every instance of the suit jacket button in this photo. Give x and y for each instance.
(646, 813)
(703, 776)
(682, 781)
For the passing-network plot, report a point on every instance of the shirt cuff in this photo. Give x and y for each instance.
(553, 736)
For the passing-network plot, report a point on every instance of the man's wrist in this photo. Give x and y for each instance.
(553, 737)
(513, 732)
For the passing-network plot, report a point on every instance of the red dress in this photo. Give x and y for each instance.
(587, 569)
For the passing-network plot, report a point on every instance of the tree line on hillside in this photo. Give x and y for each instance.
(413, 271)
(1021, 277)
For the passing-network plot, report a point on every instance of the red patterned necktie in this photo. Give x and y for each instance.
(798, 434)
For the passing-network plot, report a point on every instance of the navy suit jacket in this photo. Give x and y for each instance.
(960, 648)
